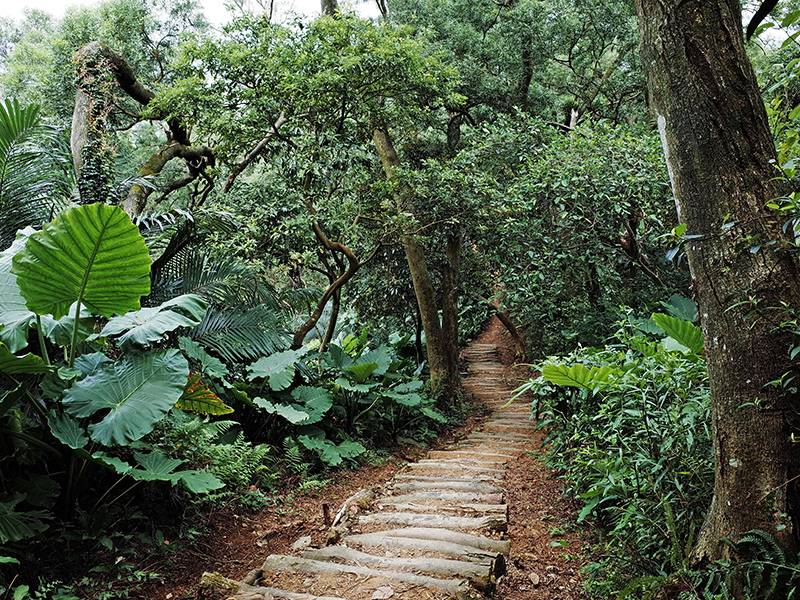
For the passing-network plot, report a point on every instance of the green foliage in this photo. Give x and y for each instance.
(220, 448)
(35, 175)
(632, 429)
(757, 570)
(92, 255)
(198, 398)
(684, 333)
(90, 411)
(137, 392)
(582, 217)
(277, 368)
(141, 328)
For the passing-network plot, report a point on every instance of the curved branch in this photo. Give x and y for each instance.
(253, 154)
(353, 265)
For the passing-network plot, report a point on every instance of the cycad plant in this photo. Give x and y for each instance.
(36, 177)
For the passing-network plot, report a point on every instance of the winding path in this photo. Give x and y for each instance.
(436, 530)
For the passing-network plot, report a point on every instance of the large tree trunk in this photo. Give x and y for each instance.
(429, 312)
(719, 152)
(442, 381)
(99, 70)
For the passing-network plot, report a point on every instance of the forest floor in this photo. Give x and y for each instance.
(548, 548)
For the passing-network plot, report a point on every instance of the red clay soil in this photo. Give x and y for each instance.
(547, 548)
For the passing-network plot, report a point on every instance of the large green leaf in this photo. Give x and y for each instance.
(14, 365)
(148, 325)
(277, 368)
(91, 254)
(157, 467)
(681, 308)
(361, 388)
(287, 411)
(313, 401)
(578, 375)
(330, 453)
(405, 399)
(361, 371)
(338, 358)
(199, 482)
(60, 332)
(381, 356)
(685, 333)
(15, 318)
(18, 525)
(67, 430)
(136, 392)
(208, 364)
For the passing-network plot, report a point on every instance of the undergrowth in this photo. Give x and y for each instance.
(629, 426)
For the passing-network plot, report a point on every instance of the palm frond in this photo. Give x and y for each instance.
(240, 335)
(156, 223)
(300, 299)
(36, 176)
(225, 282)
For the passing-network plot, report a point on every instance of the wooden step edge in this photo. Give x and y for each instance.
(411, 519)
(459, 588)
(448, 535)
(449, 549)
(479, 575)
(215, 583)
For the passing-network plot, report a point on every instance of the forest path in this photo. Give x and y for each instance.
(438, 529)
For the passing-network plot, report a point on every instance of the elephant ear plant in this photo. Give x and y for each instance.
(93, 402)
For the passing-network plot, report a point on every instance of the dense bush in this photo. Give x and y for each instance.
(629, 425)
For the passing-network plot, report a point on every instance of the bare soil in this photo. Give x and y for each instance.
(548, 549)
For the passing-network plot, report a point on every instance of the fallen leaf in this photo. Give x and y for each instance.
(383, 592)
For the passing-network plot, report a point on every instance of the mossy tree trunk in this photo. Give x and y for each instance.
(442, 350)
(720, 156)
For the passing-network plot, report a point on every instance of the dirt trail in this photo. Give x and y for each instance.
(441, 527)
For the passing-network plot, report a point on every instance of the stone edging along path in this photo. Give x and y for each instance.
(436, 530)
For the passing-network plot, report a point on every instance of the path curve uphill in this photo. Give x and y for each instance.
(438, 529)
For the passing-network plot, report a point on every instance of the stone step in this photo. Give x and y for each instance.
(442, 547)
(466, 508)
(444, 466)
(444, 497)
(457, 486)
(444, 454)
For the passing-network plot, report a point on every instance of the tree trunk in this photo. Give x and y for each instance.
(420, 276)
(329, 7)
(336, 305)
(429, 313)
(525, 77)
(719, 152)
(450, 294)
(353, 265)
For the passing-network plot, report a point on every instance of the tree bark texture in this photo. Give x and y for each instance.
(443, 381)
(718, 148)
(450, 295)
(97, 67)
